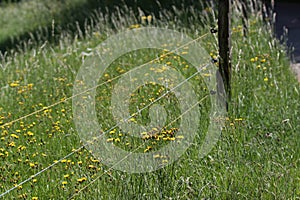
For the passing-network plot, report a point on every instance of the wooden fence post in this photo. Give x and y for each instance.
(224, 11)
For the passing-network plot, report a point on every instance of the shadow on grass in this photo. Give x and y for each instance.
(72, 19)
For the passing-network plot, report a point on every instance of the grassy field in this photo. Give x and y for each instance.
(256, 157)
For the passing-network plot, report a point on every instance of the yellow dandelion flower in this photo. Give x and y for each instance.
(64, 183)
(14, 84)
(266, 79)
(91, 166)
(94, 160)
(238, 119)
(156, 156)
(34, 198)
(29, 133)
(81, 180)
(66, 176)
(12, 144)
(14, 136)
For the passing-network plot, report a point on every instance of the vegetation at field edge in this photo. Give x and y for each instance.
(256, 157)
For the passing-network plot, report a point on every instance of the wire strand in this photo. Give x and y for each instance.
(93, 181)
(68, 98)
(96, 86)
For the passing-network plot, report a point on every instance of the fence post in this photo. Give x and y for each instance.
(224, 11)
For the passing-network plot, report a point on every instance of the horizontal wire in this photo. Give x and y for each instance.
(81, 147)
(38, 173)
(96, 86)
(90, 183)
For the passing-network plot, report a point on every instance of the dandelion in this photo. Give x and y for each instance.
(14, 84)
(156, 156)
(266, 79)
(238, 119)
(34, 198)
(29, 133)
(91, 167)
(254, 59)
(81, 180)
(180, 137)
(94, 160)
(64, 183)
(12, 144)
(32, 165)
(147, 149)
(14, 136)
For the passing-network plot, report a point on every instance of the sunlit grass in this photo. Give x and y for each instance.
(256, 157)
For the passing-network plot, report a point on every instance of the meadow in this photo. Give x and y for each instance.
(43, 157)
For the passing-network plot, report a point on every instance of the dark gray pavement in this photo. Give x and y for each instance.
(288, 15)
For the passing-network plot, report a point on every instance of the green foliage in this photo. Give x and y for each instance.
(256, 157)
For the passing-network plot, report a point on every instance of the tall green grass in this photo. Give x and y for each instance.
(256, 157)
